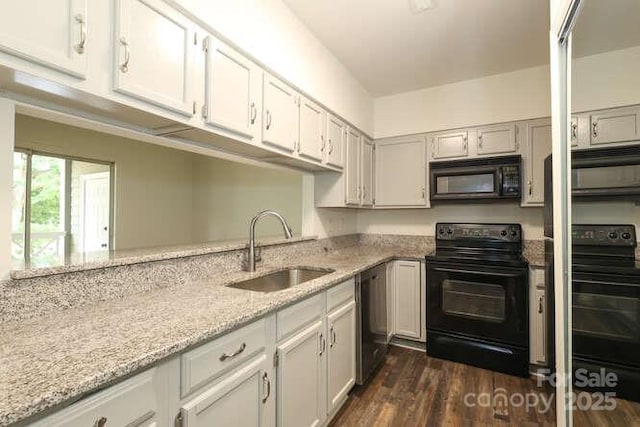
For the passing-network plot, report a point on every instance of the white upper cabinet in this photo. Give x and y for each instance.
(233, 86)
(497, 139)
(537, 146)
(450, 144)
(154, 54)
(52, 33)
(352, 168)
(312, 130)
(279, 114)
(619, 125)
(336, 134)
(400, 173)
(366, 172)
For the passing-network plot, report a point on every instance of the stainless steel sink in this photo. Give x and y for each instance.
(282, 279)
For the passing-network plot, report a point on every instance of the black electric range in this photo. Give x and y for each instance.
(605, 304)
(477, 297)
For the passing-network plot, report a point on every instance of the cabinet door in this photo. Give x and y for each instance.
(341, 374)
(155, 48)
(302, 378)
(237, 400)
(497, 139)
(537, 148)
(449, 145)
(619, 125)
(48, 32)
(336, 134)
(312, 129)
(280, 114)
(400, 172)
(233, 91)
(537, 318)
(408, 299)
(352, 168)
(366, 172)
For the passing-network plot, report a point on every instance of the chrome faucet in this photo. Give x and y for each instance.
(251, 256)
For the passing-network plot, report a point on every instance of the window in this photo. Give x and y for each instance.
(61, 207)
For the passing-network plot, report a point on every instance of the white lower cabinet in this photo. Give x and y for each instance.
(341, 372)
(238, 399)
(302, 377)
(537, 317)
(136, 401)
(316, 357)
(409, 300)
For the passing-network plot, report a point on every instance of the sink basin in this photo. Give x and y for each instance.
(282, 279)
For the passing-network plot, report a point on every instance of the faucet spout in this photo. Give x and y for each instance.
(288, 233)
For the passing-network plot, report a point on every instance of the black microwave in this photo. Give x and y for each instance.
(606, 174)
(478, 179)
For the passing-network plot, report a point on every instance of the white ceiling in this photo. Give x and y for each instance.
(390, 49)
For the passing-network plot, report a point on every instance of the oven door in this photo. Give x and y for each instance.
(483, 302)
(606, 318)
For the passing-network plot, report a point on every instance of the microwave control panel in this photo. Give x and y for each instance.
(511, 180)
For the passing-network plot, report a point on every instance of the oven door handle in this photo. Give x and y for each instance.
(483, 273)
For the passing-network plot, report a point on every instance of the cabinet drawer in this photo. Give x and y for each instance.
(299, 315)
(207, 362)
(340, 294)
(131, 402)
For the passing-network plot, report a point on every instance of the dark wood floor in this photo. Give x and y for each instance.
(413, 389)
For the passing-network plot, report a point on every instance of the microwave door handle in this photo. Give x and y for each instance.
(500, 179)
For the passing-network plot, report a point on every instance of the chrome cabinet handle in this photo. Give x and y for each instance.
(322, 143)
(540, 306)
(594, 129)
(254, 112)
(480, 141)
(530, 187)
(127, 55)
(268, 119)
(423, 192)
(226, 356)
(330, 147)
(100, 422)
(574, 131)
(323, 345)
(83, 34)
(267, 381)
(333, 337)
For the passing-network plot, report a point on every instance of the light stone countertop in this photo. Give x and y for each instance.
(59, 358)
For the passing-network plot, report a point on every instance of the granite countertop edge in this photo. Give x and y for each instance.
(67, 394)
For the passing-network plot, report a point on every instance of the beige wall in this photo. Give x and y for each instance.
(270, 32)
(7, 112)
(227, 195)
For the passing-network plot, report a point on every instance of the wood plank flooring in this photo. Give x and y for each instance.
(413, 389)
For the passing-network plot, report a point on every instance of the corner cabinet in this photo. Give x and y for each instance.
(537, 146)
(155, 49)
(51, 33)
(279, 114)
(233, 92)
(401, 173)
(409, 300)
(352, 168)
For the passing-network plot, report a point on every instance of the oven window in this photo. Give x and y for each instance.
(473, 300)
(606, 316)
(453, 184)
(606, 177)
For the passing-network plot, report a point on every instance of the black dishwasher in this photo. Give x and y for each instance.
(372, 340)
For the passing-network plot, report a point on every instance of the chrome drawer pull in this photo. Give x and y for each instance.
(266, 380)
(100, 422)
(226, 356)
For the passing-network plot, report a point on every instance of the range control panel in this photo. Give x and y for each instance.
(488, 232)
(603, 235)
